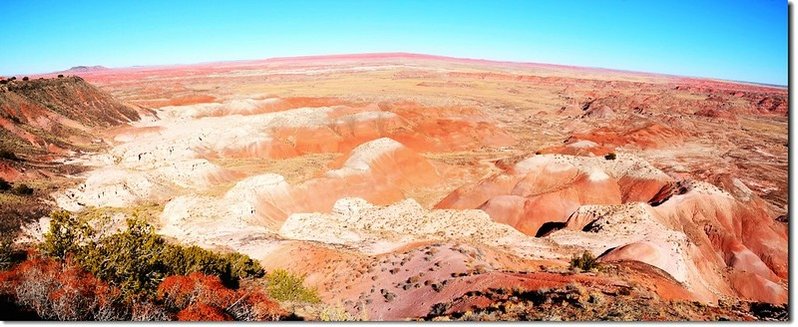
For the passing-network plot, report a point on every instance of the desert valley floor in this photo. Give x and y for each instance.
(410, 186)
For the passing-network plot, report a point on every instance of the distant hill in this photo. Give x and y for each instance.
(78, 69)
(43, 116)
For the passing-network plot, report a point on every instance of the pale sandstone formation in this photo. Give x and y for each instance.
(356, 223)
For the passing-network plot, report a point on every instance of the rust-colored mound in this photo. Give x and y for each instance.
(646, 252)
(721, 235)
(546, 193)
(381, 171)
(754, 287)
(446, 128)
(547, 189)
(294, 131)
(731, 226)
(546, 205)
(651, 135)
(70, 97)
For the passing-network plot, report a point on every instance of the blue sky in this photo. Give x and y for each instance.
(729, 39)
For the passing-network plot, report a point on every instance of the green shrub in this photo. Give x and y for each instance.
(65, 236)
(338, 313)
(610, 156)
(22, 189)
(5, 154)
(585, 262)
(6, 251)
(137, 259)
(285, 286)
(4, 185)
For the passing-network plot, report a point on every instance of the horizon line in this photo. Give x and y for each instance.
(400, 54)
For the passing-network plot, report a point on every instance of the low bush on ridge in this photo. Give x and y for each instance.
(137, 259)
(585, 262)
(284, 286)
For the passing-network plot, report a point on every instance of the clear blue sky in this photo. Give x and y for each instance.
(738, 40)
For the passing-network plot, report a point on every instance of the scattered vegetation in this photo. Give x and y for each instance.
(585, 262)
(338, 313)
(133, 274)
(7, 252)
(20, 189)
(610, 156)
(55, 291)
(46, 288)
(60, 75)
(200, 297)
(203, 312)
(770, 312)
(25, 78)
(581, 302)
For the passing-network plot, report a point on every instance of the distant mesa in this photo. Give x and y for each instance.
(77, 69)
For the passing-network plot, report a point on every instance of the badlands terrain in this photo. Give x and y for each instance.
(418, 187)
